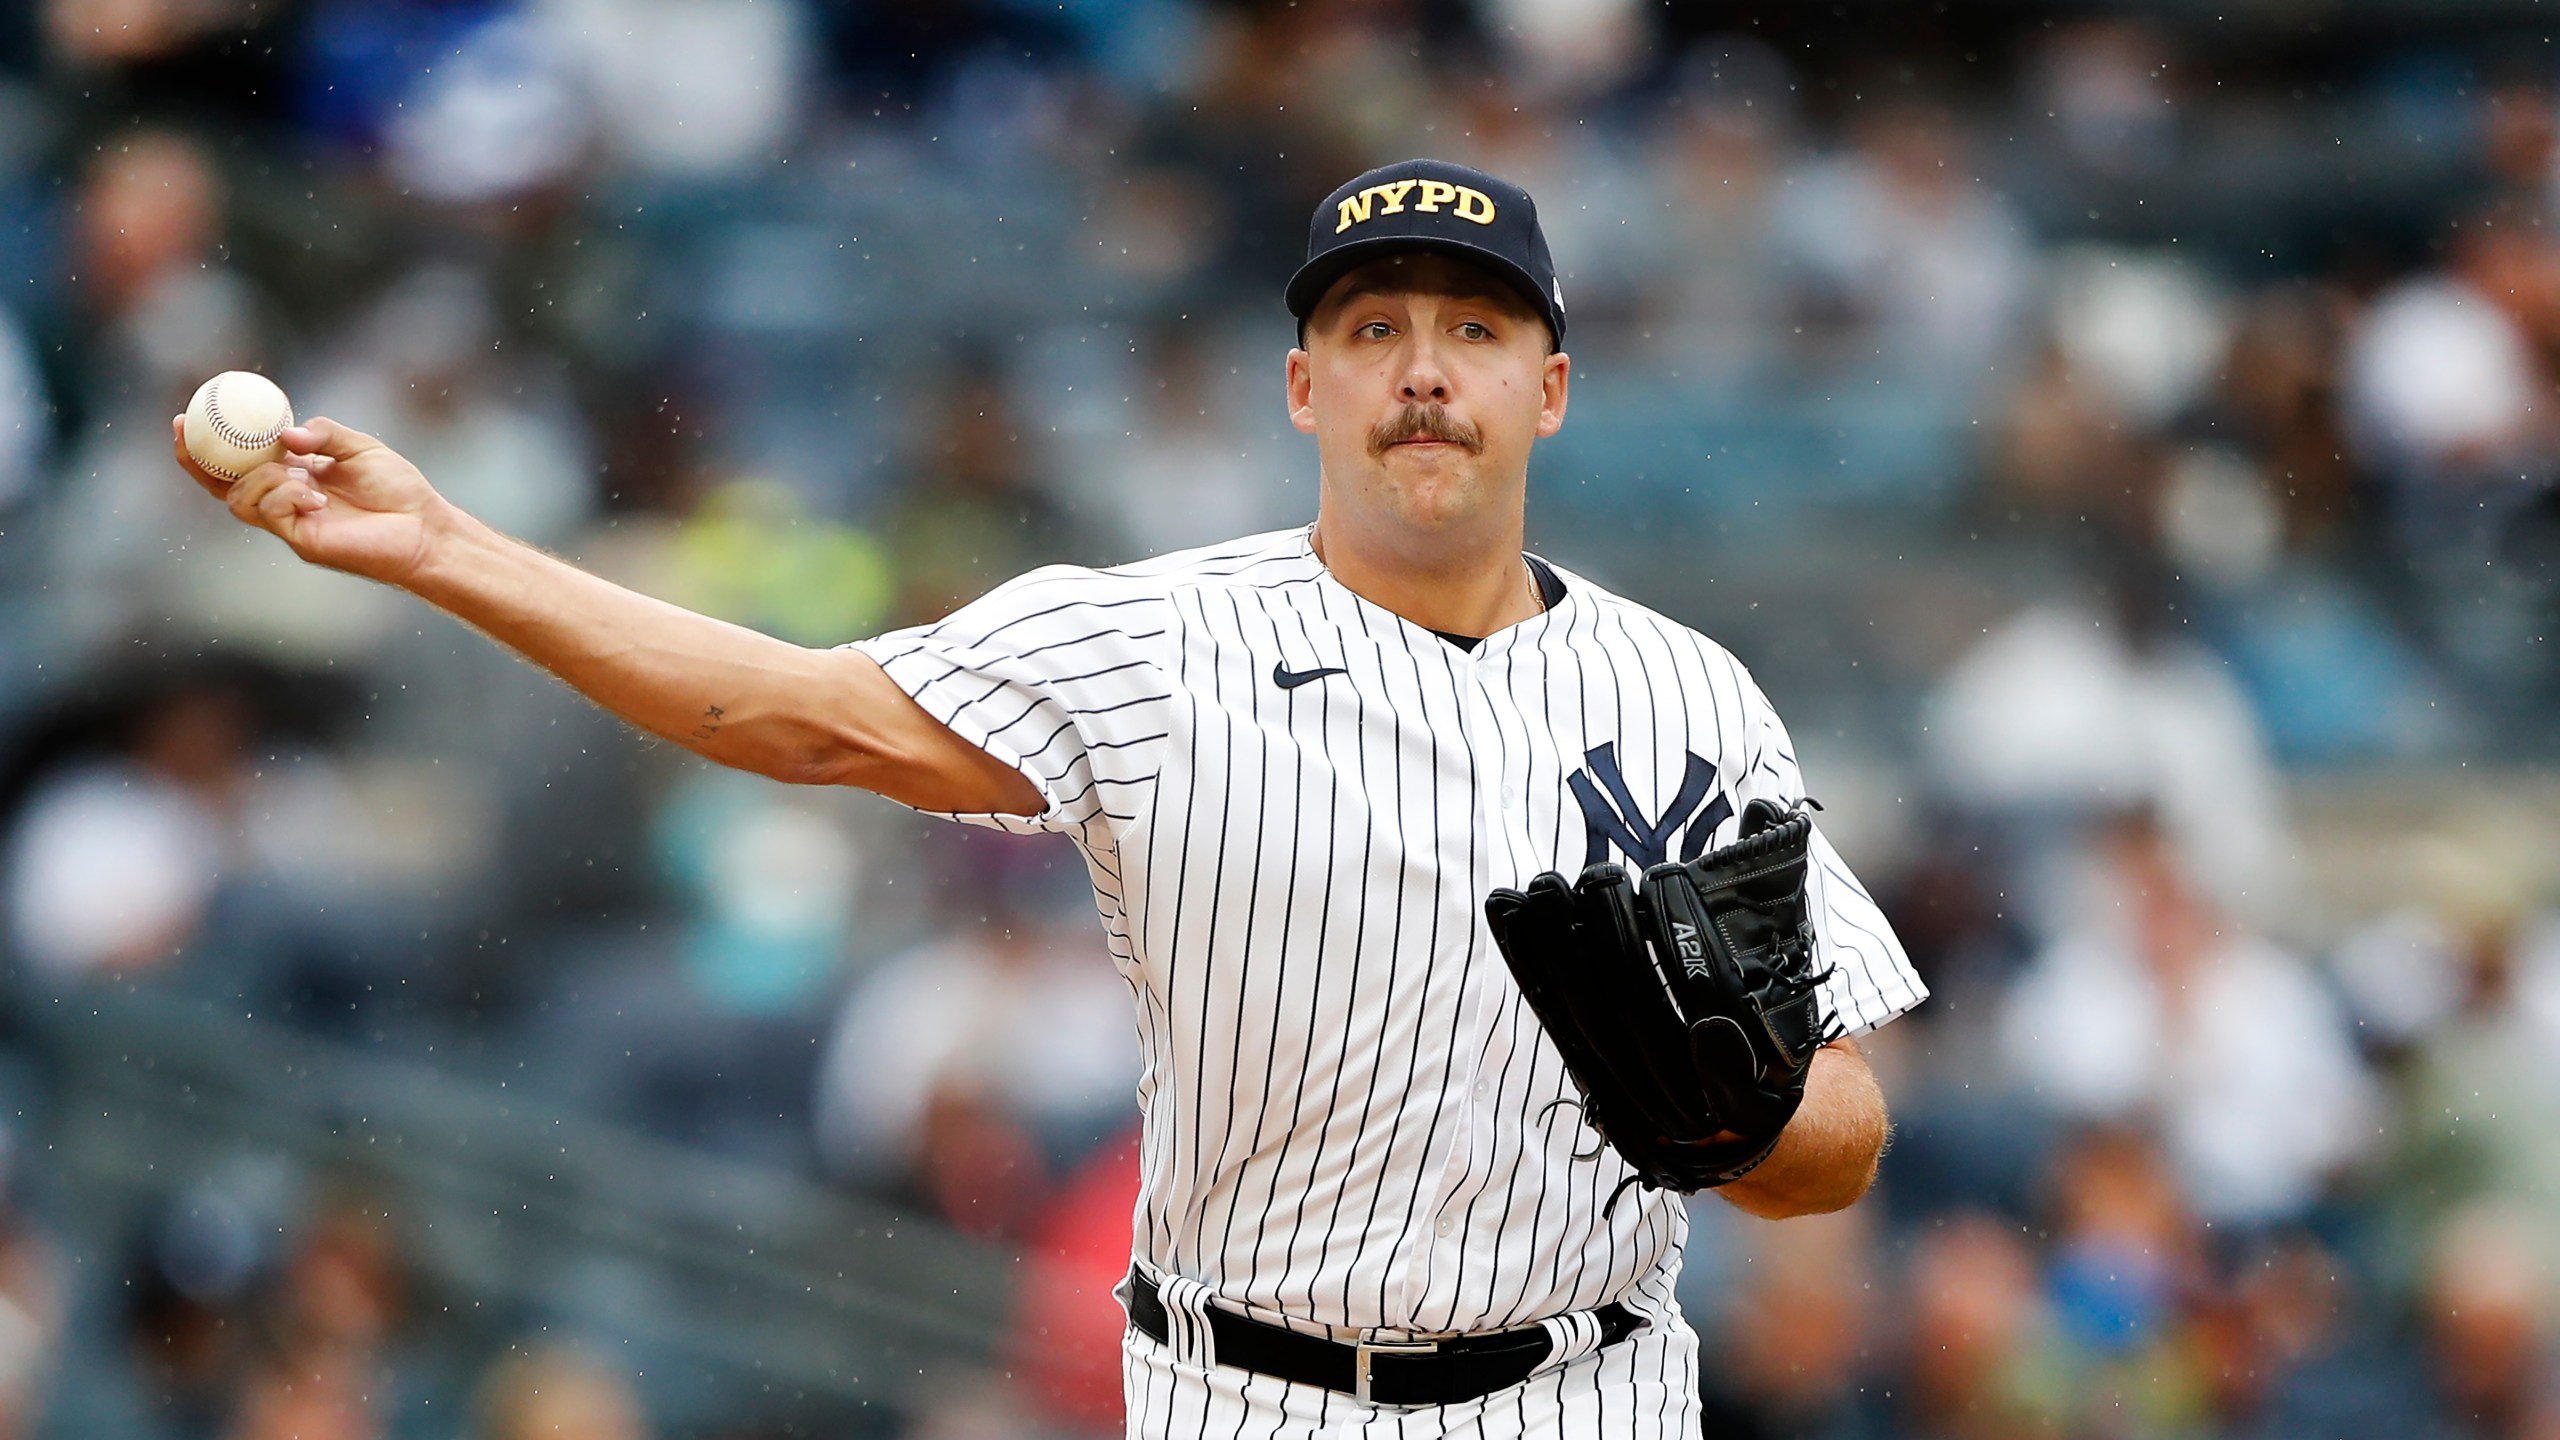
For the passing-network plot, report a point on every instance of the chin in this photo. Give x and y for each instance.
(1431, 490)
(1439, 504)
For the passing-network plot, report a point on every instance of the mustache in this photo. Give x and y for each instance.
(1424, 422)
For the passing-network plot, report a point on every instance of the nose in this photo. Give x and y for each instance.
(1425, 380)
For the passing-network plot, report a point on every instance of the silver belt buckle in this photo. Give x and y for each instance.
(1366, 1350)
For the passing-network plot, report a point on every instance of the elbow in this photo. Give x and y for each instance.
(828, 759)
(1856, 1178)
(1846, 1187)
(1855, 1175)
(798, 750)
(1831, 1177)
(1858, 1128)
(1825, 1195)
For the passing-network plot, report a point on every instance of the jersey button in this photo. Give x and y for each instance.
(1483, 1088)
(1447, 1224)
(1510, 796)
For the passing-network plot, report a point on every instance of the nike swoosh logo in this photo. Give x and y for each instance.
(1288, 679)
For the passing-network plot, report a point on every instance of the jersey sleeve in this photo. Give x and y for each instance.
(1057, 674)
(1872, 980)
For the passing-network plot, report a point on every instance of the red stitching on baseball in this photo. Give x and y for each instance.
(239, 438)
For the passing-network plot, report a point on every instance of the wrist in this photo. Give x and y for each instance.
(453, 545)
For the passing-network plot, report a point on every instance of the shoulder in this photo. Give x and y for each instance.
(1244, 556)
(1246, 560)
(1251, 562)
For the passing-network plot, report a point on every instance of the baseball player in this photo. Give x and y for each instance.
(1401, 1176)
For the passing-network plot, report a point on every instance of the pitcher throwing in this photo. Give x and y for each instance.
(1377, 1197)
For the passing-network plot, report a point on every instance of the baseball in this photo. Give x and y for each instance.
(232, 423)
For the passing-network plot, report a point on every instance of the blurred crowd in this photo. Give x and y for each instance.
(2121, 443)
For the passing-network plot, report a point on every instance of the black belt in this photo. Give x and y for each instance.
(1388, 1372)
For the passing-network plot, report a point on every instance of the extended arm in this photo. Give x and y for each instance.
(1826, 1157)
(730, 694)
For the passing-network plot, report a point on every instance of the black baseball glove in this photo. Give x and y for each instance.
(1687, 1011)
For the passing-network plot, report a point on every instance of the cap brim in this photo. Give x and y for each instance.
(1307, 288)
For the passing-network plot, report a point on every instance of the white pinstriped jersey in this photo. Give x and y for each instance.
(1350, 1112)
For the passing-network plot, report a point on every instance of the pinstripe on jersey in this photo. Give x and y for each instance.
(1350, 1113)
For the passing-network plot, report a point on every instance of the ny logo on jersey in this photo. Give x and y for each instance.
(1616, 819)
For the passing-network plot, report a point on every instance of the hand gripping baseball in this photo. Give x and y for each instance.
(339, 497)
(1688, 1011)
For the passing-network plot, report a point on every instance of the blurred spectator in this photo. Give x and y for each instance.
(2522, 145)
(2125, 1247)
(2061, 715)
(505, 115)
(1569, 46)
(2140, 329)
(343, 1288)
(1169, 472)
(2280, 388)
(2482, 1080)
(197, 812)
(26, 416)
(2157, 1008)
(2127, 1253)
(1720, 150)
(546, 1392)
(2447, 381)
(113, 862)
(2060, 452)
(772, 882)
(183, 1310)
(31, 1302)
(2134, 342)
(2109, 87)
(982, 1064)
(151, 213)
(2488, 1315)
(2444, 373)
(689, 89)
(750, 551)
(319, 1396)
(328, 1357)
(703, 1027)
(89, 33)
(2280, 1320)
(1068, 1325)
(1905, 261)
(895, 56)
(1795, 1331)
(978, 514)
(1981, 1361)
(431, 372)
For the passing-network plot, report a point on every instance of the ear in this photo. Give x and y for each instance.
(1302, 388)
(1554, 383)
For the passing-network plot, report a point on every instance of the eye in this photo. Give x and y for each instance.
(1474, 330)
(1375, 330)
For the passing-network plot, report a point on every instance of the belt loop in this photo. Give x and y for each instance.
(1569, 1338)
(1186, 1316)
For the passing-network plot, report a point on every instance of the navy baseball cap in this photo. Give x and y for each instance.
(1429, 205)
